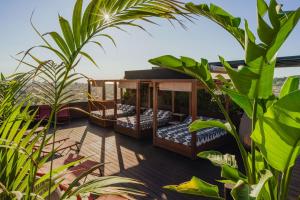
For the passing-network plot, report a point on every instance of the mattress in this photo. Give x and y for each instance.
(122, 111)
(146, 120)
(180, 133)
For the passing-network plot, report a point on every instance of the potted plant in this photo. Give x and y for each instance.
(275, 120)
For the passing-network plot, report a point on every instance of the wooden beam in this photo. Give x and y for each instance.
(96, 83)
(194, 101)
(194, 116)
(121, 94)
(176, 86)
(190, 103)
(149, 97)
(155, 104)
(138, 107)
(89, 96)
(115, 99)
(128, 84)
(103, 92)
(103, 97)
(173, 101)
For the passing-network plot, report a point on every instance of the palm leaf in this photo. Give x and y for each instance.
(88, 57)
(67, 32)
(77, 22)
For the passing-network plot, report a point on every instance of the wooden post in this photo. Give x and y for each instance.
(121, 95)
(194, 116)
(155, 100)
(149, 97)
(173, 101)
(89, 95)
(103, 97)
(103, 91)
(115, 100)
(190, 103)
(138, 107)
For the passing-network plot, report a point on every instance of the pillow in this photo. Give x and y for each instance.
(164, 114)
(126, 108)
(120, 106)
(148, 112)
(188, 120)
(160, 113)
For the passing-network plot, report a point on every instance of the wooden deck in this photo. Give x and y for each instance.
(153, 166)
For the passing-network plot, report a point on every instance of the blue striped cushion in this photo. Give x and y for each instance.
(180, 133)
(122, 110)
(146, 120)
(148, 112)
(129, 109)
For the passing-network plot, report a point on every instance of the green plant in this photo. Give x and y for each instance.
(88, 26)
(20, 158)
(11, 89)
(18, 153)
(275, 120)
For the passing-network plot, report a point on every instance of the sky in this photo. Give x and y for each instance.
(202, 39)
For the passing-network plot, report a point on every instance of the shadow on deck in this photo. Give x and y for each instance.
(153, 166)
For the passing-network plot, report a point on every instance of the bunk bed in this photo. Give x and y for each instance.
(176, 137)
(104, 112)
(141, 124)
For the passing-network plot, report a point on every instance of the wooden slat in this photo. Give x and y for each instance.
(97, 83)
(89, 95)
(121, 95)
(176, 86)
(104, 92)
(173, 101)
(153, 166)
(138, 106)
(149, 97)
(115, 99)
(194, 116)
(155, 104)
(127, 84)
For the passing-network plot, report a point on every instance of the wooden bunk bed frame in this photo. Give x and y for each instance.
(136, 132)
(182, 85)
(102, 104)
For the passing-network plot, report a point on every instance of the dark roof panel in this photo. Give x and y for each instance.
(162, 73)
(287, 61)
(155, 73)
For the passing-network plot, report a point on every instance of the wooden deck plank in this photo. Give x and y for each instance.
(153, 166)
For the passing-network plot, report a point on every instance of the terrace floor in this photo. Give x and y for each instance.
(153, 166)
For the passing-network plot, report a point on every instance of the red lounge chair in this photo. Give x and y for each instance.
(60, 146)
(44, 112)
(36, 131)
(60, 161)
(73, 172)
(64, 114)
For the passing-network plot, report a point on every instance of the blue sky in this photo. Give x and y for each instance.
(202, 39)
